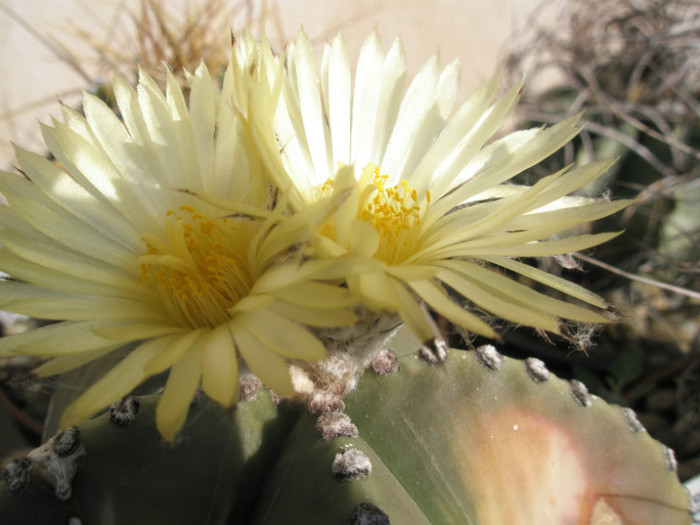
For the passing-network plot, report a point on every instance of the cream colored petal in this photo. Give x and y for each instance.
(269, 367)
(297, 171)
(181, 343)
(203, 119)
(339, 95)
(283, 275)
(55, 222)
(317, 295)
(135, 158)
(283, 336)
(545, 224)
(413, 314)
(391, 100)
(376, 291)
(320, 317)
(437, 299)
(499, 213)
(34, 301)
(174, 404)
(364, 239)
(135, 329)
(56, 184)
(309, 93)
(77, 122)
(135, 199)
(557, 283)
(141, 146)
(439, 161)
(114, 385)
(525, 295)
(496, 302)
(505, 158)
(109, 130)
(65, 363)
(461, 164)
(366, 95)
(447, 88)
(410, 272)
(432, 124)
(41, 250)
(419, 100)
(178, 159)
(55, 340)
(220, 366)
(573, 180)
(174, 96)
(499, 246)
(26, 270)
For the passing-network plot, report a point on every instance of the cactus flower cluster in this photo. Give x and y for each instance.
(274, 225)
(282, 224)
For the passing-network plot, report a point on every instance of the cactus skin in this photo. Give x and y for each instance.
(303, 489)
(129, 475)
(481, 439)
(514, 445)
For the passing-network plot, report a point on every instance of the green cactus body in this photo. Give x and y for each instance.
(481, 439)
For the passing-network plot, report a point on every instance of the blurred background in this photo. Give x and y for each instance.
(46, 56)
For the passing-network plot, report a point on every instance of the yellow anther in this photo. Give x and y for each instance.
(200, 273)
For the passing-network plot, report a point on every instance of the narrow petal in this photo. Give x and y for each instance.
(438, 300)
(497, 303)
(287, 338)
(339, 105)
(220, 366)
(34, 301)
(525, 295)
(56, 339)
(267, 365)
(180, 344)
(320, 317)
(557, 283)
(56, 184)
(309, 93)
(56, 223)
(203, 119)
(135, 329)
(491, 247)
(116, 384)
(174, 404)
(65, 363)
(416, 104)
(415, 317)
(317, 295)
(366, 99)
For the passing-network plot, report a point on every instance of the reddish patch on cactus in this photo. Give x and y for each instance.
(514, 448)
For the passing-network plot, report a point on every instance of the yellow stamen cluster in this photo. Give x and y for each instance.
(198, 272)
(395, 213)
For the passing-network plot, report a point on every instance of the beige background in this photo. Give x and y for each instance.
(34, 77)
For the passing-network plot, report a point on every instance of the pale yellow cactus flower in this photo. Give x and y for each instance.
(431, 202)
(155, 226)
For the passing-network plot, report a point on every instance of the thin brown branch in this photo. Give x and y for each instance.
(646, 280)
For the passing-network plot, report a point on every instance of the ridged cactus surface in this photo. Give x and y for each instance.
(481, 439)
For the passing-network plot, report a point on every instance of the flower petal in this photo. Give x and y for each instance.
(115, 384)
(174, 404)
(287, 338)
(220, 366)
(267, 365)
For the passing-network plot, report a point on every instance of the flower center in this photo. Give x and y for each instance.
(200, 271)
(394, 211)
